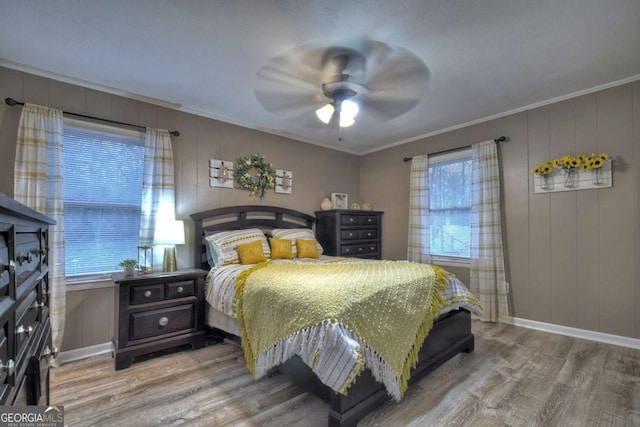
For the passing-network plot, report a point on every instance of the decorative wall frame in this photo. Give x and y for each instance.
(284, 181)
(340, 200)
(558, 179)
(220, 173)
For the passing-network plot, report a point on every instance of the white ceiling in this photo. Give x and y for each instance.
(484, 57)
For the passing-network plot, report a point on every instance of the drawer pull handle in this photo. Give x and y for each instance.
(147, 294)
(360, 249)
(350, 219)
(22, 258)
(369, 220)
(350, 234)
(180, 289)
(373, 248)
(368, 234)
(37, 304)
(11, 267)
(163, 321)
(22, 330)
(347, 250)
(9, 368)
(50, 353)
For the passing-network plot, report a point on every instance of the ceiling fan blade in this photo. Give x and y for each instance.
(394, 68)
(382, 109)
(280, 87)
(273, 74)
(277, 101)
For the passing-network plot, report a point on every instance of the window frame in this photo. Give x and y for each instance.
(107, 130)
(458, 154)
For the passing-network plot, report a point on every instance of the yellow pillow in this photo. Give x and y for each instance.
(251, 253)
(281, 248)
(307, 248)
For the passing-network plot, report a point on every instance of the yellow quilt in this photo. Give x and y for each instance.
(388, 307)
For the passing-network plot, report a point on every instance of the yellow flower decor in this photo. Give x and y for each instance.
(544, 169)
(580, 161)
(568, 162)
(256, 184)
(594, 162)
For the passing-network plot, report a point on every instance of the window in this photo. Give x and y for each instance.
(102, 196)
(450, 204)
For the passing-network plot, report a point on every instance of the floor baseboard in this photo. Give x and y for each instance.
(83, 353)
(577, 333)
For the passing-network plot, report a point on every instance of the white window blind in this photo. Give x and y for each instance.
(450, 204)
(102, 197)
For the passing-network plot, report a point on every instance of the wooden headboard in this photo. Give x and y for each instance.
(239, 217)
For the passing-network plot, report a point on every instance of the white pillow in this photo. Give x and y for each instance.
(293, 234)
(222, 245)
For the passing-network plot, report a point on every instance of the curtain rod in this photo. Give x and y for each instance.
(497, 141)
(12, 102)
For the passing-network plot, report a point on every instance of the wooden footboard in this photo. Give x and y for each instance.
(451, 334)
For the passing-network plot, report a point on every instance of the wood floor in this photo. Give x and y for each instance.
(515, 377)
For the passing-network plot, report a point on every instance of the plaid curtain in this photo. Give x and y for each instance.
(38, 185)
(158, 186)
(487, 257)
(418, 249)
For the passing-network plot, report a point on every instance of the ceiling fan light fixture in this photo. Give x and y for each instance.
(346, 121)
(349, 108)
(325, 113)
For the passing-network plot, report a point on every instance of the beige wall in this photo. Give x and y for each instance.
(317, 171)
(573, 258)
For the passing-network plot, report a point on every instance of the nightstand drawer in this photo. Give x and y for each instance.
(147, 293)
(180, 289)
(162, 321)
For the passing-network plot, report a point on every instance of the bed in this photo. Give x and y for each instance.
(449, 335)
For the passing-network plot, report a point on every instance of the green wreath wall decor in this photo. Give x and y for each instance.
(255, 184)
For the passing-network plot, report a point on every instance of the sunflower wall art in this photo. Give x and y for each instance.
(578, 172)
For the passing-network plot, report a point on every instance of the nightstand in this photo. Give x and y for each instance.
(157, 311)
(350, 233)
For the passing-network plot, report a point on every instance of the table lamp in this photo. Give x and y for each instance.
(169, 233)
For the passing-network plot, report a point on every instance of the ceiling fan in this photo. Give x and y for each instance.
(368, 79)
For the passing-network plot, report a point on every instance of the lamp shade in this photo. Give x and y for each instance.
(169, 233)
(325, 113)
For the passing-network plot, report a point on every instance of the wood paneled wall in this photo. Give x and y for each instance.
(573, 258)
(317, 171)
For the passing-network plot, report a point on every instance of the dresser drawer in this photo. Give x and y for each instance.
(162, 321)
(26, 259)
(180, 289)
(4, 354)
(350, 234)
(358, 250)
(355, 219)
(147, 293)
(4, 266)
(26, 321)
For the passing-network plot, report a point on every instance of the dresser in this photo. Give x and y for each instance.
(343, 232)
(25, 335)
(157, 311)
